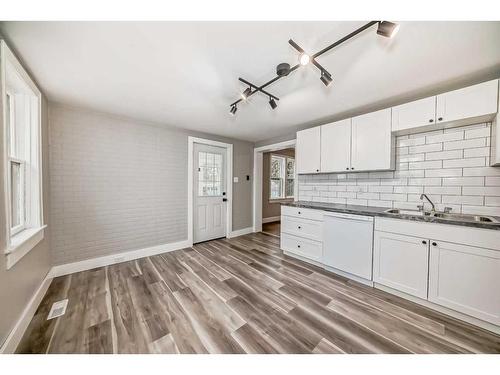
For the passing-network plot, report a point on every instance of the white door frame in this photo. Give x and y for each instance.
(257, 179)
(229, 182)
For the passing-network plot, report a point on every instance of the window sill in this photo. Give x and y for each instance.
(280, 200)
(22, 243)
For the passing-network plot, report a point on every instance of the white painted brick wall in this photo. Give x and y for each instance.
(114, 186)
(450, 165)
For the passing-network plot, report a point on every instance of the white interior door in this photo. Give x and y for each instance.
(209, 192)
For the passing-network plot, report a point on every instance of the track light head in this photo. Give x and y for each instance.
(246, 93)
(326, 78)
(304, 59)
(233, 110)
(272, 103)
(387, 29)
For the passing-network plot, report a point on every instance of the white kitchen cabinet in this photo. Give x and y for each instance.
(414, 114)
(401, 262)
(478, 101)
(308, 150)
(372, 143)
(465, 279)
(336, 146)
(302, 247)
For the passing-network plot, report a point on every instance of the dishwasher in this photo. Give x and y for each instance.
(348, 244)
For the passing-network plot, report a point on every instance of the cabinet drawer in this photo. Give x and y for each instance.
(303, 247)
(311, 229)
(305, 213)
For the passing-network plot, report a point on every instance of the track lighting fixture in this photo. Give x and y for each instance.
(304, 59)
(233, 110)
(245, 94)
(384, 28)
(387, 29)
(326, 78)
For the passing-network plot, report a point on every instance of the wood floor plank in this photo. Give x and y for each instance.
(233, 296)
(182, 330)
(130, 337)
(215, 337)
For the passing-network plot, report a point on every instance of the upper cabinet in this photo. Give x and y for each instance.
(308, 153)
(414, 114)
(372, 144)
(336, 146)
(478, 101)
(366, 142)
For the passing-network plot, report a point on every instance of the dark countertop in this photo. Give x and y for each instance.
(380, 211)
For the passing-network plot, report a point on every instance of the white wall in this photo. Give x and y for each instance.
(120, 185)
(451, 166)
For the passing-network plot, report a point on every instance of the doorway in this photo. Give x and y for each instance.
(209, 189)
(261, 155)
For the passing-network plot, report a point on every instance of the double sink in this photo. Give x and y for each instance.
(445, 216)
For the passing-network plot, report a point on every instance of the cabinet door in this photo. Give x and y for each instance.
(401, 262)
(336, 146)
(465, 279)
(472, 101)
(372, 142)
(415, 114)
(308, 150)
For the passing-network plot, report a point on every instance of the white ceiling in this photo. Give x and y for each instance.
(185, 74)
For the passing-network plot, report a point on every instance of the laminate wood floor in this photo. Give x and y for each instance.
(237, 296)
(273, 228)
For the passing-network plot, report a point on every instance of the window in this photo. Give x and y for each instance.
(22, 101)
(282, 175)
(209, 174)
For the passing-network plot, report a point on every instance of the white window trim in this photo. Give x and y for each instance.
(21, 243)
(284, 197)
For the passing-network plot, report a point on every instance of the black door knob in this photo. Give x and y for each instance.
(434, 244)
(299, 227)
(431, 120)
(298, 246)
(347, 168)
(352, 167)
(224, 199)
(317, 170)
(440, 119)
(424, 242)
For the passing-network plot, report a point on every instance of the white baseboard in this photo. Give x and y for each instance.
(15, 336)
(240, 232)
(88, 264)
(271, 219)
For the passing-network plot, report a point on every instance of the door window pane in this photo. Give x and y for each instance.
(209, 174)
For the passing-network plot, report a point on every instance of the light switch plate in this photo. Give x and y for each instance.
(236, 179)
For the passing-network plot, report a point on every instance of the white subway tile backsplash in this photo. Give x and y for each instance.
(482, 190)
(448, 190)
(476, 152)
(463, 199)
(409, 189)
(463, 181)
(431, 181)
(469, 143)
(425, 148)
(457, 163)
(440, 155)
(492, 201)
(492, 181)
(432, 164)
(449, 165)
(478, 133)
(456, 136)
(443, 172)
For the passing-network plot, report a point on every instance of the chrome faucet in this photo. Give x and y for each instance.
(422, 196)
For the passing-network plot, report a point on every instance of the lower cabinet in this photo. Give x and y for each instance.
(302, 247)
(401, 262)
(465, 279)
